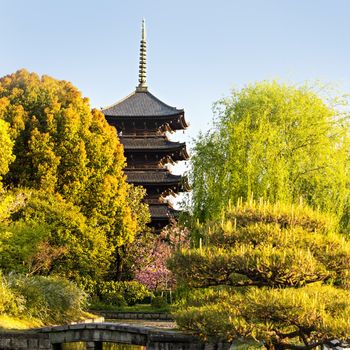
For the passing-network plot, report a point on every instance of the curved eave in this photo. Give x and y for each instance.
(155, 183)
(184, 152)
(167, 193)
(169, 123)
(161, 175)
(162, 211)
(151, 116)
(162, 179)
(154, 149)
(179, 124)
(164, 157)
(185, 184)
(179, 148)
(184, 124)
(175, 188)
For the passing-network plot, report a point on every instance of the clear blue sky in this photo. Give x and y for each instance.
(197, 50)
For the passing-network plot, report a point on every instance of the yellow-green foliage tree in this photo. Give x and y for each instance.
(6, 145)
(275, 274)
(41, 233)
(277, 142)
(62, 146)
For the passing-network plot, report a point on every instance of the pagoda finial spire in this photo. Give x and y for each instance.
(143, 60)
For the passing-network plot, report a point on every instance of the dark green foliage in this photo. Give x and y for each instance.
(159, 302)
(121, 292)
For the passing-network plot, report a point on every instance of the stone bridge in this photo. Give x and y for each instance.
(94, 334)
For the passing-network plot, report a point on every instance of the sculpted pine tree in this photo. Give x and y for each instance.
(274, 141)
(277, 275)
(63, 146)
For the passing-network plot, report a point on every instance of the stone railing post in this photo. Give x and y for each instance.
(94, 345)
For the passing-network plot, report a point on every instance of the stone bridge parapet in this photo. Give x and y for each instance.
(94, 334)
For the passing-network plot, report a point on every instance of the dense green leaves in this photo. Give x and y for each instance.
(277, 142)
(47, 235)
(114, 292)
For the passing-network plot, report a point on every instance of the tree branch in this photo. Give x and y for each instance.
(303, 337)
(287, 335)
(309, 171)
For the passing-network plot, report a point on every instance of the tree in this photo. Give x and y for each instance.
(277, 142)
(6, 145)
(151, 253)
(276, 274)
(44, 234)
(62, 146)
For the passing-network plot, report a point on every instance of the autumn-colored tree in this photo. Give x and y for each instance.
(62, 146)
(277, 142)
(278, 275)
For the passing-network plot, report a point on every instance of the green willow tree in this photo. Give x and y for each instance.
(62, 146)
(274, 141)
(276, 275)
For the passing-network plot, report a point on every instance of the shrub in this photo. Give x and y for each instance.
(111, 297)
(50, 299)
(159, 302)
(129, 291)
(87, 284)
(10, 302)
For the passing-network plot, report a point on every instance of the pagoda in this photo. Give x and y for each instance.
(142, 122)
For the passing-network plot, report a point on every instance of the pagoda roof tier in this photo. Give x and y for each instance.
(154, 178)
(153, 144)
(162, 211)
(141, 104)
(144, 125)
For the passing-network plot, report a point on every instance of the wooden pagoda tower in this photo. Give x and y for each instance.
(142, 122)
